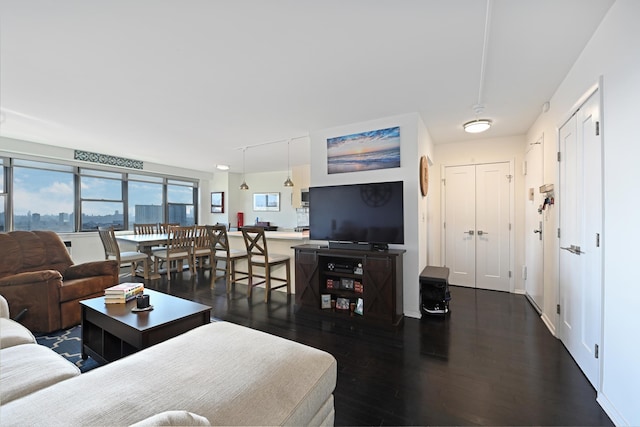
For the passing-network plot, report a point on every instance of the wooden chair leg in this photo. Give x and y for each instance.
(288, 264)
(267, 282)
(147, 265)
(250, 279)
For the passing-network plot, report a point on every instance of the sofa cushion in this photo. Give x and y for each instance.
(30, 367)
(57, 255)
(227, 373)
(34, 254)
(31, 251)
(13, 333)
(173, 418)
(83, 288)
(4, 307)
(11, 259)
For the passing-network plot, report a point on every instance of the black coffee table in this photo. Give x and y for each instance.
(112, 331)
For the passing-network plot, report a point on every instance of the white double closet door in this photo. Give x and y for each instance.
(581, 241)
(477, 225)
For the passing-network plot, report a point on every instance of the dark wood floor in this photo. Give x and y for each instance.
(490, 362)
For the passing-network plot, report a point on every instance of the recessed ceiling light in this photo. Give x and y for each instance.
(222, 167)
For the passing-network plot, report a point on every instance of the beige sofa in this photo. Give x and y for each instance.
(218, 374)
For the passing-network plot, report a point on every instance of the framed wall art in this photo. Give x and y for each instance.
(217, 202)
(377, 149)
(266, 202)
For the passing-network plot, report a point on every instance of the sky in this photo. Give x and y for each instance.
(51, 192)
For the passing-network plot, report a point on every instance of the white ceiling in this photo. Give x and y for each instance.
(189, 83)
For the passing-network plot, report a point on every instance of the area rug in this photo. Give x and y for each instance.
(68, 343)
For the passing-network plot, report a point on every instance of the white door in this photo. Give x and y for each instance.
(460, 224)
(477, 225)
(580, 264)
(534, 218)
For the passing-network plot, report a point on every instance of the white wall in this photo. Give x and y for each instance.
(414, 142)
(488, 150)
(237, 200)
(426, 228)
(612, 53)
(219, 183)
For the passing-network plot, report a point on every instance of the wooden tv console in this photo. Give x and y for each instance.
(350, 276)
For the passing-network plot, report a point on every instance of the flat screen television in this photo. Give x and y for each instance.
(365, 213)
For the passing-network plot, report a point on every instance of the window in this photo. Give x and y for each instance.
(180, 200)
(37, 195)
(145, 199)
(101, 201)
(43, 196)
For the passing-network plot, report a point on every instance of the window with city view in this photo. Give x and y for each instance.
(43, 199)
(181, 202)
(101, 201)
(145, 199)
(48, 196)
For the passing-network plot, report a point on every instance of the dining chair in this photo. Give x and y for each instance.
(112, 251)
(258, 256)
(201, 247)
(222, 252)
(179, 247)
(145, 228)
(163, 228)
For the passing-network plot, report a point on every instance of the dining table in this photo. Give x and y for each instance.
(144, 243)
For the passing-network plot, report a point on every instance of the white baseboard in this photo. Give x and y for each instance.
(611, 411)
(549, 324)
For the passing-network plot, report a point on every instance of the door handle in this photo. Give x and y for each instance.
(480, 232)
(573, 249)
(470, 232)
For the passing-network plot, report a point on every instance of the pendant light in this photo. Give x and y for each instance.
(288, 182)
(244, 185)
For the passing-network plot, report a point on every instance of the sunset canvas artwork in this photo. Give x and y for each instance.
(378, 149)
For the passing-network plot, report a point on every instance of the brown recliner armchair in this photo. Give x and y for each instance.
(37, 274)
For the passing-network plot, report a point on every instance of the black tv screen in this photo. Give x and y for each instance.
(372, 213)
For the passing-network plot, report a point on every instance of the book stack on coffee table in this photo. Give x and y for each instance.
(120, 294)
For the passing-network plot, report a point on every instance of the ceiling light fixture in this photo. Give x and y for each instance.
(244, 185)
(288, 182)
(477, 125)
(222, 167)
(481, 125)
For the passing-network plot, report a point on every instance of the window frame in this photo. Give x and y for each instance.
(79, 170)
(39, 165)
(90, 173)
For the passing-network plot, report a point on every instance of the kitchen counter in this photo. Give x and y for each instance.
(278, 235)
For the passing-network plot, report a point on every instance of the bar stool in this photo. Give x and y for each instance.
(256, 245)
(222, 252)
